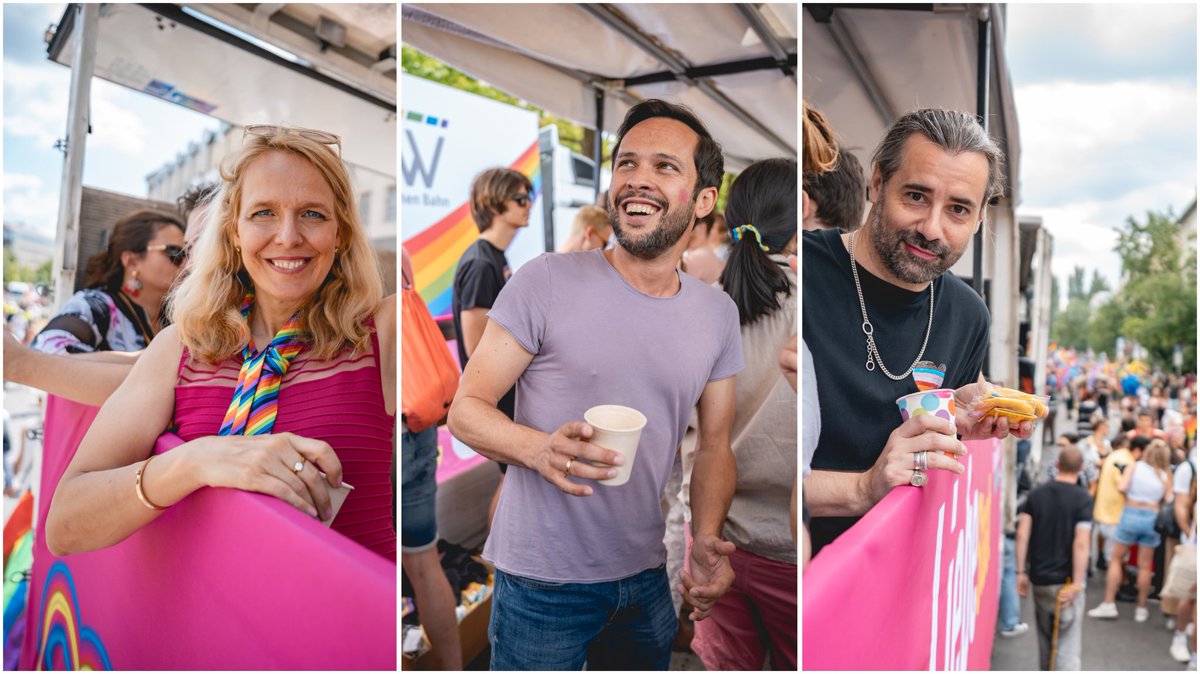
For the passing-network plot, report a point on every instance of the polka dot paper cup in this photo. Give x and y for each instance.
(938, 402)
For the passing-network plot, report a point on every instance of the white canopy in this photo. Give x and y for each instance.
(177, 53)
(733, 64)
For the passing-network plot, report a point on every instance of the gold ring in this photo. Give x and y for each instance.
(569, 462)
(298, 466)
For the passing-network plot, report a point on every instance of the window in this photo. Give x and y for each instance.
(364, 207)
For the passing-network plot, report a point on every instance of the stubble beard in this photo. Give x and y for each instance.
(672, 224)
(889, 246)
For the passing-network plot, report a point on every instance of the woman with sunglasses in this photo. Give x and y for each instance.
(278, 371)
(121, 305)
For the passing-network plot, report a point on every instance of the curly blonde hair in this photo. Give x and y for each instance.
(206, 305)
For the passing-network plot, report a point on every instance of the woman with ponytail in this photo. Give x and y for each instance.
(121, 305)
(758, 614)
(278, 372)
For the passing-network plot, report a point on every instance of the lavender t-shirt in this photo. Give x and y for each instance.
(598, 340)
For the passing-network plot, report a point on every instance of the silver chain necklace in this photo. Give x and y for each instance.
(873, 356)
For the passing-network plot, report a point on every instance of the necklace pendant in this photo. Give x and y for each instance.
(870, 362)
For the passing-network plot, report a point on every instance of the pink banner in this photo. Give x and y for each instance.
(224, 579)
(454, 456)
(915, 584)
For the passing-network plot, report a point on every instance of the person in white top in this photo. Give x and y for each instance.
(1146, 485)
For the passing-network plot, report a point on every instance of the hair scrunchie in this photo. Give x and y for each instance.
(739, 233)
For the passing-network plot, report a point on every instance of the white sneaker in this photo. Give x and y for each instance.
(1179, 648)
(1104, 610)
(1141, 614)
(1016, 631)
(1170, 622)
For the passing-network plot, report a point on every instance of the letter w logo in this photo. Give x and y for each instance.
(417, 165)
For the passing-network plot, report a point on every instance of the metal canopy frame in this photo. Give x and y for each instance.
(677, 69)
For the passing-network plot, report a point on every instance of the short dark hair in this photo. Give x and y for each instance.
(195, 196)
(840, 194)
(491, 189)
(1070, 437)
(1144, 412)
(1070, 459)
(1140, 443)
(710, 163)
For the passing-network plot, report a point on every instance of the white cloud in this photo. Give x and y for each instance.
(38, 97)
(26, 200)
(1116, 30)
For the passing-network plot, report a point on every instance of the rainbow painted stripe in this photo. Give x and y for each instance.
(436, 250)
(64, 643)
(255, 402)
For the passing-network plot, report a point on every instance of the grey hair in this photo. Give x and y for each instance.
(953, 131)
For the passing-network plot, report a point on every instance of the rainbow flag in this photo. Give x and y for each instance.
(436, 250)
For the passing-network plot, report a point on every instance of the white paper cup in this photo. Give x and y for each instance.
(618, 428)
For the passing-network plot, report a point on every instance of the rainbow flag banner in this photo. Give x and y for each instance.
(224, 579)
(451, 136)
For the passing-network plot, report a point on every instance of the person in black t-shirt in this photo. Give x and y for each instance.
(1054, 535)
(501, 199)
(927, 200)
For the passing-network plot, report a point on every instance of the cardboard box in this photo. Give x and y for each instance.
(472, 634)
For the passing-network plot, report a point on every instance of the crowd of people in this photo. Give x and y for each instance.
(587, 573)
(1124, 482)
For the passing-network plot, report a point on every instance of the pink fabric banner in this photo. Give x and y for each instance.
(915, 584)
(224, 579)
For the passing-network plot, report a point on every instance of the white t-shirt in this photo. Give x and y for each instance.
(1183, 477)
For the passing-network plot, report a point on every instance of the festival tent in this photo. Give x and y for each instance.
(733, 64)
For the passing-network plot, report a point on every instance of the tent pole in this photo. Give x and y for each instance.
(66, 255)
(597, 142)
(983, 83)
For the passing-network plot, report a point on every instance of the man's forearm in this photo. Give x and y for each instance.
(835, 494)
(1080, 562)
(714, 480)
(487, 430)
(87, 381)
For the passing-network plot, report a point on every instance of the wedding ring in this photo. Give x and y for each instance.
(298, 466)
(569, 462)
(917, 479)
(922, 460)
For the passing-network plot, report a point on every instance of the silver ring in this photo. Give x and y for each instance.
(298, 466)
(921, 460)
(917, 479)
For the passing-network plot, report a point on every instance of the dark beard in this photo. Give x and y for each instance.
(902, 264)
(672, 224)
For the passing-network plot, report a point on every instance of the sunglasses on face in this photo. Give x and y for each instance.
(270, 131)
(521, 199)
(176, 254)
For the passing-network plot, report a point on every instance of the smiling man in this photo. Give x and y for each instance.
(580, 575)
(878, 300)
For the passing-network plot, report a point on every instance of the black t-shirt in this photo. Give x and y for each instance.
(858, 408)
(1056, 508)
(482, 271)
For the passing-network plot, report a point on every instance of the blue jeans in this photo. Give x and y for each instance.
(418, 492)
(619, 625)
(1010, 603)
(1137, 526)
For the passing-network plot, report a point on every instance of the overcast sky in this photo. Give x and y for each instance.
(1106, 104)
(132, 133)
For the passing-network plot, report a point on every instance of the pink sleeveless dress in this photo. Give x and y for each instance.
(338, 401)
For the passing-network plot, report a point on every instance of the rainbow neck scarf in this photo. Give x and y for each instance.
(255, 401)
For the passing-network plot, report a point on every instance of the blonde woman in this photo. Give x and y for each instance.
(280, 364)
(590, 229)
(1146, 485)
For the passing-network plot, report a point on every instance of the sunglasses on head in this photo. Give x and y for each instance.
(521, 199)
(270, 131)
(176, 254)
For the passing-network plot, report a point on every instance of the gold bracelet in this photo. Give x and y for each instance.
(138, 484)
